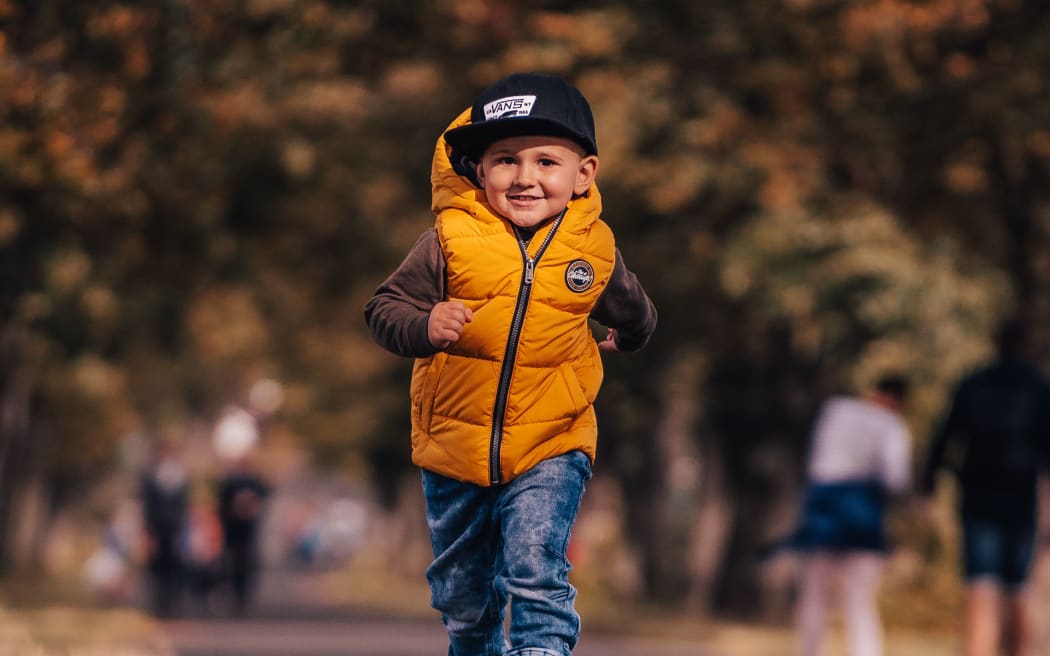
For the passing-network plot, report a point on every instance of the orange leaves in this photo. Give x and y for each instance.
(966, 170)
(58, 143)
(13, 144)
(865, 23)
(116, 21)
(960, 66)
(601, 33)
(137, 61)
(10, 226)
(338, 100)
(965, 177)
(226, 325)
(1039, 143)
(21, 88)
(676, 181)
(321, 102)
(901, 32)
(129, 28)
(67, 271)
(239, 106)
(412, 79)
(791, 172)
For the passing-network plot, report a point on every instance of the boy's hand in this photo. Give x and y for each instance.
(446, 322)
(609, 343)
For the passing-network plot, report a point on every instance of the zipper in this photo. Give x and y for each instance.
(517, 322)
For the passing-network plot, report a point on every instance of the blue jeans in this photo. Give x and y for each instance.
(497, 544)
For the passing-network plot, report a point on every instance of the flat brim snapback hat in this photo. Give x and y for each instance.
(525, 104)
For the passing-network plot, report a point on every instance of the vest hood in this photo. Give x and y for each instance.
(450, 190)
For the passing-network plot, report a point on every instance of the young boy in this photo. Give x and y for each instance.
(493, 303)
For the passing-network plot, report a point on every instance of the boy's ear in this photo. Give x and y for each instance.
(466, 167)
(585, 175)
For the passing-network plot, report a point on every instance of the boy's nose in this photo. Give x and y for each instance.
(525, 175)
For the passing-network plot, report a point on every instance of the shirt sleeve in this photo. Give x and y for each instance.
(946, 433)
(625, 307)
(1043, 428)
(896, 466)
(398, 312)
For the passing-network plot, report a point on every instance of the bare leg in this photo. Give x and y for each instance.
(1015, 625)
(860, 581)
(817, 574)
(982, 618)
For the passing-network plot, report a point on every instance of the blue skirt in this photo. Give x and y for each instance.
(841, 516)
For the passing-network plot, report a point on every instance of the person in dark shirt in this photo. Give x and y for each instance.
(242, 497)
(996, 436)
(164, 491)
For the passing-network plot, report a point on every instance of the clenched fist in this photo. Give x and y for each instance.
(446, 323)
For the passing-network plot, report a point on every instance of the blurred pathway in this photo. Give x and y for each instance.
(290, 620)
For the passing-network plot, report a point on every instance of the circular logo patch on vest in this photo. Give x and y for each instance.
(579, 275)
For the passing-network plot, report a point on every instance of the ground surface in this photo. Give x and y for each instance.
(292, 617)
(295, 616)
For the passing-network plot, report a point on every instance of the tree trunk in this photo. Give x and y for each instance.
(711, 529)
(14, 431)
(1014, 178)
(668, 511)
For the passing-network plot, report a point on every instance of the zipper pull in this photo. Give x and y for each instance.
(530, 269)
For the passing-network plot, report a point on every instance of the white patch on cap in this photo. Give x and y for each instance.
(509, 107)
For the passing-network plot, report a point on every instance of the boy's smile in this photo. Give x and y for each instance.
(531, 178)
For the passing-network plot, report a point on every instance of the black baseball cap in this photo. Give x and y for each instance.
(525, 104)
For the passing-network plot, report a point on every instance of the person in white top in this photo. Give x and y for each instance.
(859, 458)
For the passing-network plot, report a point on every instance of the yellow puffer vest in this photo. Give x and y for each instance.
(519, 385)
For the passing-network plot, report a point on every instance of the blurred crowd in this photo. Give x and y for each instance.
(190, 540)
(187, 538)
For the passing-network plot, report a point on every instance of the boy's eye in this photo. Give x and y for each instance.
(547, 162)
(505, 161)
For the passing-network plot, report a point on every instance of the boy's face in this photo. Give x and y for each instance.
(530, 179)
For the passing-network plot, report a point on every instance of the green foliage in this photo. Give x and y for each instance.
(865, 297)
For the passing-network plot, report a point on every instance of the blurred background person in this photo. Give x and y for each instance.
(242, 498)
(995, 438)
(202, 549)
(111, 570)
(859, 457)
(165, 503)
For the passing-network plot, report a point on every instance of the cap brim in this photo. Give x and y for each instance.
(472, 139)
